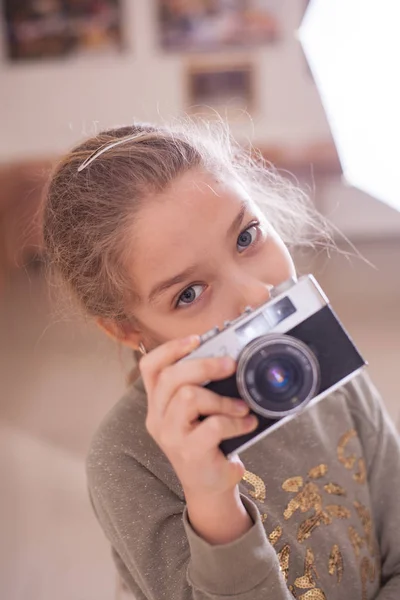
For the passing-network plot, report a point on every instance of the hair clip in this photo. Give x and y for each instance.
(103, 149)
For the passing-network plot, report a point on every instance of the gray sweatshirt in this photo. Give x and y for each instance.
(322, 490)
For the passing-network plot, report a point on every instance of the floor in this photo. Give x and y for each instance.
(58, 376)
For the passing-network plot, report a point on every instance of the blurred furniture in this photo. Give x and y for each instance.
(21, 188)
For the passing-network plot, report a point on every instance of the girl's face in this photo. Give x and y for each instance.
(203, 251)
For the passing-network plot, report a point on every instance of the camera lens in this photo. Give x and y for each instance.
(277, 374)
(279, 377)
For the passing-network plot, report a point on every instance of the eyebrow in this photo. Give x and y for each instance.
(163, 286)
(237, 221)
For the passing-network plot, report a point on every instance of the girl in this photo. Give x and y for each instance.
(161, 235)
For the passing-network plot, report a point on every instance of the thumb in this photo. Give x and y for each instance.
(238, 468)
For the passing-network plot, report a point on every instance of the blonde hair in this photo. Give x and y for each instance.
(96, 190)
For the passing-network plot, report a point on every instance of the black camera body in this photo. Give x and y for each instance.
(291, 352)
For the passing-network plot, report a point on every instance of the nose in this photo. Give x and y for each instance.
(252, 293)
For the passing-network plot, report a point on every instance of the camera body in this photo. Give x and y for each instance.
(290, 352)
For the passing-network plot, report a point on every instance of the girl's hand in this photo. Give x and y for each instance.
(175, 402)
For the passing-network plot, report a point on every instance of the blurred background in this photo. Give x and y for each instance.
(67, 70)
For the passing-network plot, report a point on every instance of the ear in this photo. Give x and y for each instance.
(122, 332)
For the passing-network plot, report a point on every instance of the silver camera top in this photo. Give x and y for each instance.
(291, 303)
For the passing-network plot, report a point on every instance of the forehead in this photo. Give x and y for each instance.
(190, 207)
(199, 191)
(185, 224)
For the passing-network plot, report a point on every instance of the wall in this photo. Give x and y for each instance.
(46, 107)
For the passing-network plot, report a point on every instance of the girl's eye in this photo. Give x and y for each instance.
(189, 295)
(247, 238)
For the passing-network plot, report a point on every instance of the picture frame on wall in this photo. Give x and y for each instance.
(56, 29)
(217, 25)
(223, 87)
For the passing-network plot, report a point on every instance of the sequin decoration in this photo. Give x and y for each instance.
(259, 490)
(361, 476)
(318, 472)
(368, 573)
(283, 557)
(293, 591)
(356, 540)
(340, 512)
(335, 489)
(293, 484)
(310, 573)
(309, 497)
(316, 594)
(275, 535)
(307, 527)
(335, 564)
(263, 517)
(347, 461)
(366, 521)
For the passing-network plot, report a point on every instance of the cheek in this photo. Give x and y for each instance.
(169, 327)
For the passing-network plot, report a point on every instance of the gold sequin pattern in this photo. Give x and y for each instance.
(291, 508)
(293, 484)
(356, 540)
(309, 497)
(275, 535)
(366, 521)
(283, 557)
(307, 527)
(310, 573)
(368, 573)
(361, 476)
(335, 564)
(347, 461)
(318, 472)
(259, 490)
(263, 517)
(316, 594)
(340, 512)
(335, 489)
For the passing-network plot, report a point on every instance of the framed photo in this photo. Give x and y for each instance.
(57, 28)
(212, 25)
(227, 88)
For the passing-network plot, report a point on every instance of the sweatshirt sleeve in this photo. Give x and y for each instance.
(381, 445)
(247, 568)
(148, 528)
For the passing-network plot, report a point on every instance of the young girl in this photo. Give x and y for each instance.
(162, 234)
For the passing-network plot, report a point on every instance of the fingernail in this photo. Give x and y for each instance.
(191, 341)
(227, 363)
(240, 407)
(251, 421)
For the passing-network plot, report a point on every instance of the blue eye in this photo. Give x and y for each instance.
(189, 295)
(247, 238)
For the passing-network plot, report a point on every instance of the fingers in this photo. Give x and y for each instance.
(176, 400)
(163, 356)
(210, 433)
(191, 402)
(189, 373)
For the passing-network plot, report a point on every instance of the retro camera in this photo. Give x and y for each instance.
(290, 351)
